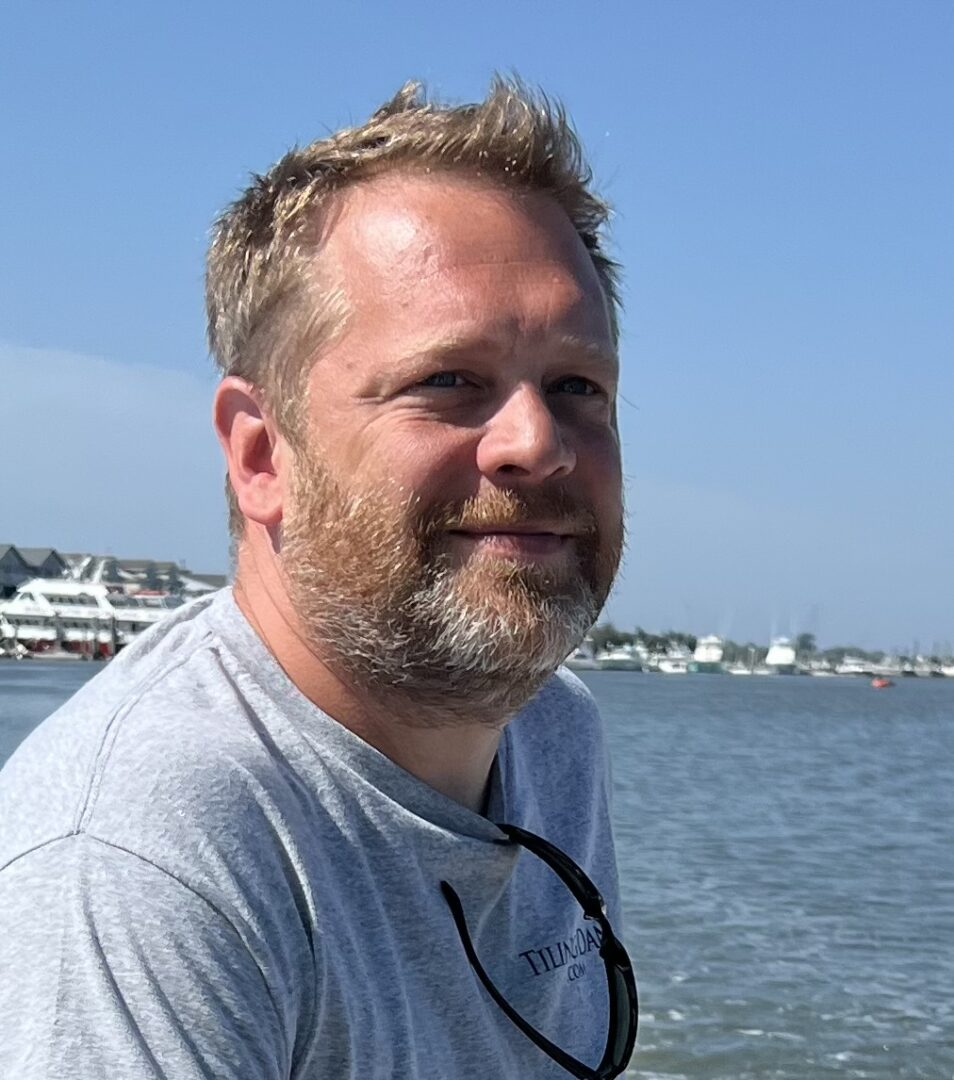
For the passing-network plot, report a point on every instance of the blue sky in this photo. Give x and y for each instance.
(783, 178)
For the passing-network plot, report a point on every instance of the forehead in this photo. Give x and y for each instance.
(447, 251)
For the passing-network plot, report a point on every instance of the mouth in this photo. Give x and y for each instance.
(529, 541)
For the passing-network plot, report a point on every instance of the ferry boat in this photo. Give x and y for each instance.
(57, 616)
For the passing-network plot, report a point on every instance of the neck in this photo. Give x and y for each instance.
(448, 753)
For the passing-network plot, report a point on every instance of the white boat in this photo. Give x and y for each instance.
(854, 665)
(819, 667)
(581, 660)
(707, 656)
(737, 669)
(674, 662)
(780, 659)
(619, 658)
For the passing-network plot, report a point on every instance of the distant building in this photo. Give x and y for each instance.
(152, 574)
(19, 564)
(46, 562)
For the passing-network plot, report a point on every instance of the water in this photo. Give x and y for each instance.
(787, 857)
(31, 690)
(787, 861)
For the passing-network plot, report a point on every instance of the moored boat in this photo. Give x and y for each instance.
(707, 656)
(581, 659)
(619, 658)
(780, 659)
(674, 662)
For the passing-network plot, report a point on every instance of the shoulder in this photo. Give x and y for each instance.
(158, 744)
(104, 941)
(564, 707)
(173, 775)
(570, 690)
(196, 780)
(560, 731)
(558, 774)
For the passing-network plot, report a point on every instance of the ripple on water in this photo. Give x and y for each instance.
(787, 870)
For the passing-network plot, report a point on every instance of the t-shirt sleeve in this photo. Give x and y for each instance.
(110, 967)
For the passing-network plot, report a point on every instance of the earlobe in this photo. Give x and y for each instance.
(251, 445)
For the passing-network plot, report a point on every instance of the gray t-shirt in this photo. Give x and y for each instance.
(203, 875)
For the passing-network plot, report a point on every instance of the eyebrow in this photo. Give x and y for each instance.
(592, 350)
(459, 345)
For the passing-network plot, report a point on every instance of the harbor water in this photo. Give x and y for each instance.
(786, 850)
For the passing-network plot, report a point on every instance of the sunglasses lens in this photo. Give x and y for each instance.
(624, 1018)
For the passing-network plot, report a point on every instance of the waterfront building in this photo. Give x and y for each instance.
(19, 564)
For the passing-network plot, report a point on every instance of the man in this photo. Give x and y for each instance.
(262, 843)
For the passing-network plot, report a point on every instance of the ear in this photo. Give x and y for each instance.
(253, 450)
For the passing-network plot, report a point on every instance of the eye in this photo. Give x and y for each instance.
(575, 384)
(444, 380)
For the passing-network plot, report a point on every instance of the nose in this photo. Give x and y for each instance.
(524, 441)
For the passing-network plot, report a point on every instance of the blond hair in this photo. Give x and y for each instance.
(267, 318)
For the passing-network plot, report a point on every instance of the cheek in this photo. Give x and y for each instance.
(598, 460)
(428, 462)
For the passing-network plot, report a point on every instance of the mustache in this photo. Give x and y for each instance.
(504, 506)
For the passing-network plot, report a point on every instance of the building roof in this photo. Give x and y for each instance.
(38, 556)
(30, 557)
(131, 569)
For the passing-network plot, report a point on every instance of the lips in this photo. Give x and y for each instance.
(516, 541)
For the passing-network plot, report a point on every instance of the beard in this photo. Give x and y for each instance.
(382, 602)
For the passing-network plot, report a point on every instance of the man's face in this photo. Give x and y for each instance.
(454, 522)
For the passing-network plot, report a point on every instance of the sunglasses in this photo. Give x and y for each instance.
(623, 1003)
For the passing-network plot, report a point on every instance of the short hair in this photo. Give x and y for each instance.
(266, 318)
